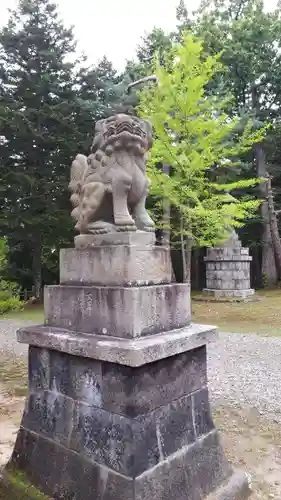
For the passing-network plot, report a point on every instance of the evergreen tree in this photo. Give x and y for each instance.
(155, 43)
(38, 120)
(100, 93)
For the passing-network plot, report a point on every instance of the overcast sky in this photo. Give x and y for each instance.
(114, 27)
(111, 27)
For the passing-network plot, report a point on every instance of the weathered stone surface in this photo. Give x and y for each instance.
(49, 414)
(174, 426)
(77, 378)
(136, 391)
(136, 418)
(85, 380)
(227, 256)
(203, 422)
(223, 283)
(235, 294)
(121, 389)
(132, 446)
(115, 266)
(121, 351)
(118, 311)
(129, 446)
(127, 419)
(63, 474)
(191, 473)
(184, 475)
(140, 239)
(103, 437)
(139, 433)
(38, 369)
(59, 372)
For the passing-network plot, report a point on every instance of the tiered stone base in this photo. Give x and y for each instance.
(118, 405)
(95, 429)
(229, 294)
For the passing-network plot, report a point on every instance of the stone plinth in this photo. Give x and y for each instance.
(139, 239)
(228, 272)
(94, 428)
(118, 404)
(116, 265)
(118, 311)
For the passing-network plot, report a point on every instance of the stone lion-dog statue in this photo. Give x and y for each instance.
(109, 188)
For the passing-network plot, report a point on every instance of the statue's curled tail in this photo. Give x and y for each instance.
(77, 174)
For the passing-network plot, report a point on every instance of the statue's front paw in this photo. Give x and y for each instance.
(144, 222)
(124, 223)
(148, 228)
(148, 222)
(122, 220)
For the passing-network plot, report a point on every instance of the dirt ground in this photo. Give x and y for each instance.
(13, 383)
(251, 442)
(10, 416)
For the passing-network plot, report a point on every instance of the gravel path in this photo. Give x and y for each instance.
(242, 369)
(8, 338)
(246, 369)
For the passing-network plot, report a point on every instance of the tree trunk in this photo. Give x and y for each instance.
(274, 228)
(184, 269)
(256, 278)
(37, 266)
(268, 265)
(188, 253)
(196, 275)
(165, 237)
(186, 247)
(166, 234)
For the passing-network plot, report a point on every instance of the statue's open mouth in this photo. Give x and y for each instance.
(125, 133)
(125, 129)
(124, 139)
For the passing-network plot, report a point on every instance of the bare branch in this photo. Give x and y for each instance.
(151, 78)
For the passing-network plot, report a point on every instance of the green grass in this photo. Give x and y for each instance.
(15, 486)
(35, 314)
(262, 317)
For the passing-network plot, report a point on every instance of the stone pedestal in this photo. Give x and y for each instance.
(228, 271)
(118, 405)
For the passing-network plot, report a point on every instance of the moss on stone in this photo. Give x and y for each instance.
(14, 485)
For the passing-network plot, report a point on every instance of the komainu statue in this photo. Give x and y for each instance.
(109, 188)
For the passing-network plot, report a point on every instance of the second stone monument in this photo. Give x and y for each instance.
(228, 271)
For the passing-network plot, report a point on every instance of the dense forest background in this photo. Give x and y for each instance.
(49, 105)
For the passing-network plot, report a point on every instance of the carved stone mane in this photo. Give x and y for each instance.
(109, 188)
